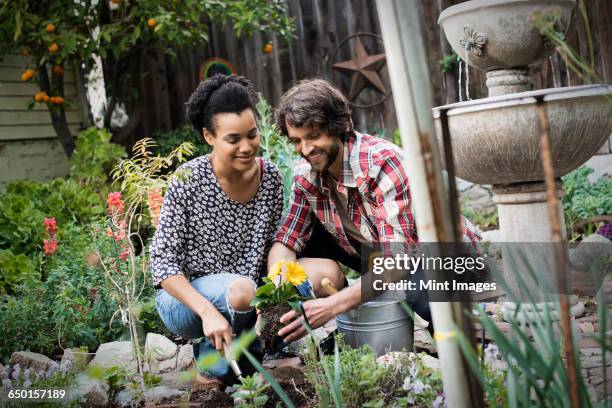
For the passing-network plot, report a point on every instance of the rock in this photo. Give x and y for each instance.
(127, 398)
(161, 366)
(478, 198)
(159, 347)
(185, 357)
(430, 362)
(155, 394)
(595, 380)
(33, 361)
(283, 362)
(595, 247)
(492, 236)
(75, 358)
(297, 347)
(461, 184)
(590, 351)
(587, 327)
(116, 353)
(177, 379)
(395, 358)
(90, 392)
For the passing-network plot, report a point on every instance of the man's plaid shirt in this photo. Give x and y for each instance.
(378, 191)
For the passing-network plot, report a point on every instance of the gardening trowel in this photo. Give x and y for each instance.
(233, 364)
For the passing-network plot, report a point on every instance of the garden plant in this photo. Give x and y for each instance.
(276, 297)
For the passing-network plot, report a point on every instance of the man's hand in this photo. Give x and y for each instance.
(318, 312)
(217, 329)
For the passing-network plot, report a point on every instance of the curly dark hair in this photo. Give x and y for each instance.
(316, 103)
(219, 94)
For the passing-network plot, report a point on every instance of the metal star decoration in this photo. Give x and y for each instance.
(363, 70)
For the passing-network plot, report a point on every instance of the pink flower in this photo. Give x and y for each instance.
(49, 246)
(154, 202)
(124, 255)
(50, 225)
(114, 202)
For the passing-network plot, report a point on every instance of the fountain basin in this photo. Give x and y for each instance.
(499, 34)
(496, 140)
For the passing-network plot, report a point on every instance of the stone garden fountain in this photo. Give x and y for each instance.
(495, 139)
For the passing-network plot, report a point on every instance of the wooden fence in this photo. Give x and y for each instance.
(321, 26)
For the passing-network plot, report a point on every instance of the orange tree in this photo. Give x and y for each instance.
(53, 34)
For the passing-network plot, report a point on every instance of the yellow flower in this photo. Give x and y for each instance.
(295, 273)
(276, 270)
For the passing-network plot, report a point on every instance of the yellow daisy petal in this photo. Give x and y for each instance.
(276, 270)
(295, 273)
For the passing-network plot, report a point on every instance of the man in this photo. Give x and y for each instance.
(350, 189)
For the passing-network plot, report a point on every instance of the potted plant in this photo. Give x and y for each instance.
(276, 297)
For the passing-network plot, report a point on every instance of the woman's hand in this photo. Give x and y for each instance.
(217, 329)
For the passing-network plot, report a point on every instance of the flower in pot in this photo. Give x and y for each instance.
(276, 297)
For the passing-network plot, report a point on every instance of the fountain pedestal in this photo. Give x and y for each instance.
(525, 233)
(496, 139)
(508, 81)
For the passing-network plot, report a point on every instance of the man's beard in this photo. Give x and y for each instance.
(327, 158)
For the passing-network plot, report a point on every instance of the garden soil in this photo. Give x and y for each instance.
(271, 316)
(294, 383)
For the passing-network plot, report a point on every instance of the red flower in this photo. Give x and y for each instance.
(49, 246)
(124, 255)
(115, 202)
(50, 225)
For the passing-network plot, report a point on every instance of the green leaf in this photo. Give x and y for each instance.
(208, 360)
(275, 386)
(241, 343)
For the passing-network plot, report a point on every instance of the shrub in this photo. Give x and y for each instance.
(364, 381)
(25, 322)
(275, 147)
(94, 157)
(16, 269)
(584, 199)
(74, 306)
(169, 140)
(24, 204)
(21, 226)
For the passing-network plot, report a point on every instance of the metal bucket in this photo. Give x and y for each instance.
(384, 325)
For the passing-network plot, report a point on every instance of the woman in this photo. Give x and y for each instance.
(216, 224)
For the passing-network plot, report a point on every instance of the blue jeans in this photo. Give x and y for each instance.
(180, 320)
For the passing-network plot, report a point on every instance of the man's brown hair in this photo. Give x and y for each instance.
(315, 103)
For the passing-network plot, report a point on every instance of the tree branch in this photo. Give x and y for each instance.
(57, 112)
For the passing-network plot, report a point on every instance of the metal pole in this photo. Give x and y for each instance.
(407, 64)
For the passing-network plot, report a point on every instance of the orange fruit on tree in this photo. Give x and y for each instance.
(115, 1)
(27, 75)
(41, 96)
(56, 100)
(152, 22)
(46, 97)
(267, 49)
(25, 52)
(50, 28)
(53, 48)
(58, 70)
